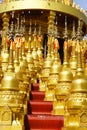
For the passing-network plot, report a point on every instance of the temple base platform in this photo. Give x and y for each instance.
(11, 127)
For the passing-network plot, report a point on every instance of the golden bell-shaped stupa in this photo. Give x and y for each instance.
(65, 79)
(19, 76)
(75, 106)
(11, 109)
(48, 61)
(54, 74)
(18, 72)
(45, 70)
(20, 64)
(63, 87)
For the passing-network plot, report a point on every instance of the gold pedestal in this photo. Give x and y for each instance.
(58, 108)
(12, 127)
(49, 95)
(75, 128)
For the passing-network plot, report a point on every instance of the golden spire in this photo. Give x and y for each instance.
(75, 108)
(40, 50)
(48, 61)
(5, 42)
(53, 75)
(10, 63)
(29, 56)
(34, 53)
(54, 72)
(9, 94)
(65, 79)
(5, 19)
(73, 58)
(5, 56)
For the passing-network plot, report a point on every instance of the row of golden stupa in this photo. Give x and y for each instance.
(64, 83)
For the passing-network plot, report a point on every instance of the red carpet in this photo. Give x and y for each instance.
(39, 113)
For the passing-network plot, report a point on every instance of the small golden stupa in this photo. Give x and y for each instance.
(54, 72)
(76, 103)
(53, 76)
(11, 109)
(62, 89)
(49, 60)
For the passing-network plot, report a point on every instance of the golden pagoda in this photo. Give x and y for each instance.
(30, 28)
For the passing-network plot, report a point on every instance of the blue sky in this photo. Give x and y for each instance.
(82, 3)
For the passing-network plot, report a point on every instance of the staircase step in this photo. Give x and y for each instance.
(35, 86)
(37, 95)
(40, 107)
(41, 122)
(39, 115)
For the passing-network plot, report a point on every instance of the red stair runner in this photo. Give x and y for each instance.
(37, 95)
(41, 107)
(39, 113)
